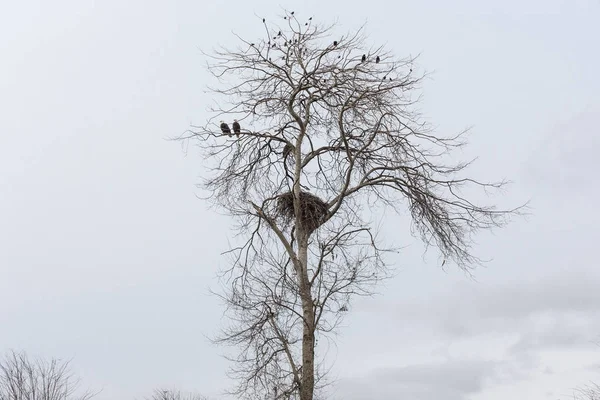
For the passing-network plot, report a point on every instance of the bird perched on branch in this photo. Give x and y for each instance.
(377, 60)
(236, 128)
(364, 58)
(287, 150)
(225, 128)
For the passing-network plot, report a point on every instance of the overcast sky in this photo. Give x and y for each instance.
(106, 254)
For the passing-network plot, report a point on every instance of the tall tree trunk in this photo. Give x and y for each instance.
(308, 335)
(307, 383)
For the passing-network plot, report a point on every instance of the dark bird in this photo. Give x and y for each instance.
(335, 42)
(377, 60)
(225, 128)
(284, 17)
(306, 24)
(236, 127)
(364, 58)
(287, 150)
(263, 20)
(279, 34)
(310, 19)
(292, 13)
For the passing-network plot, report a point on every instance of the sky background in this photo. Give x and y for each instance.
(106, 254)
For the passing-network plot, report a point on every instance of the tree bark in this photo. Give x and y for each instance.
(308, 336)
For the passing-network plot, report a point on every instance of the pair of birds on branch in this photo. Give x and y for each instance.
(364, 59)
(236, 128)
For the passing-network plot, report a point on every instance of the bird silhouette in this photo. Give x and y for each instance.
(225, 128)
(335, 42)
(364, 58)
(287, 150)
(377, 60)
(236, 127)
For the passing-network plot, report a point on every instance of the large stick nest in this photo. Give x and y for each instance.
(313, 210)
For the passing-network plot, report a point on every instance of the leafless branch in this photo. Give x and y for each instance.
(24, 379)
(172, 394)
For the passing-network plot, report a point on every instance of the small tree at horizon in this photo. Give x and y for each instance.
(174, 394)
(22, 378)
(328, 132)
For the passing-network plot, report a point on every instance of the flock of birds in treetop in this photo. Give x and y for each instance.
(236, 126)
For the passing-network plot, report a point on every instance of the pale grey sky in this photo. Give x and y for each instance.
(106, 254)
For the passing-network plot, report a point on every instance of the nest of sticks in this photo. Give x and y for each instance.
(313, 210)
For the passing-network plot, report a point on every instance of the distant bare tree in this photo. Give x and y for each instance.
(590, 392)
(328, 135)
(171, 394)
(24, 379)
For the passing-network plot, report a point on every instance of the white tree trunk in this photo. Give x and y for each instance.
(308, 336)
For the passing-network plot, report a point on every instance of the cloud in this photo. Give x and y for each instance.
(558, 332)
(450, 380)
(563, 306)
(567, 156)
(479, 337)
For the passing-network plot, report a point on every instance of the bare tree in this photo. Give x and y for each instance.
(329, 136)
(171, 394)
(24, 379)
(590, 392)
